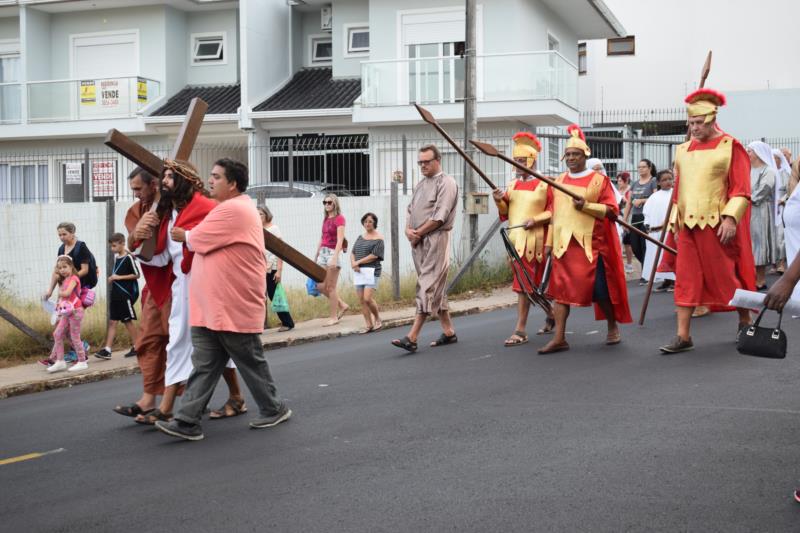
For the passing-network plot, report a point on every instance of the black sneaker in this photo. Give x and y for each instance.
(103, 354)
(132, 352)
(269, 421)
(677, 345)
(664, 286)
(643, 282)
(180, 429)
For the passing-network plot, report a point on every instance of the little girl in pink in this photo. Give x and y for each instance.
(70, 313)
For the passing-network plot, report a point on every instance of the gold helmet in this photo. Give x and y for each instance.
(526, 145)
(577, 140)
(704, 102)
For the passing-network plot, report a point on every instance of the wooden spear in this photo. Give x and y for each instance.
(703, 76)
(490, 150)
(428, 117)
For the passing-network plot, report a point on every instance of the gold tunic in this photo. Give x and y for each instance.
(568, 222)
(524, 205)
(703, 186)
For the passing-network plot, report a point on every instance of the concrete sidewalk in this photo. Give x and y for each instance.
(33, 377)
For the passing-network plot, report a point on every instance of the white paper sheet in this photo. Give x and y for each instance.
(366, 276)
(755, 300)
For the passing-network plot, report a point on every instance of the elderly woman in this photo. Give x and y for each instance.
(763, 177)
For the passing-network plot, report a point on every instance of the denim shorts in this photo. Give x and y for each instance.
(369, 286)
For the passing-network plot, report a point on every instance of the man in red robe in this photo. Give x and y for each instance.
(586, 256)
(526, 202)
(710, 219)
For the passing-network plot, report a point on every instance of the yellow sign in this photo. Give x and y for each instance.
(141, 90)
(88, 93)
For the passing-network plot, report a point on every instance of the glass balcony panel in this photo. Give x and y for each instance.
(10, 103)
(501, 77)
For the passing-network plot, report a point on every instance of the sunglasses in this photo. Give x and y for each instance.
(327, 202)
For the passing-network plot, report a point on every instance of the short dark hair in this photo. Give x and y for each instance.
(432, 148)
(117, 237)
(147, 178)
(662, 172)
(235, 172)
(374, 218)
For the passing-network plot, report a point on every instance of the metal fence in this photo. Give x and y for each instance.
(308, 165)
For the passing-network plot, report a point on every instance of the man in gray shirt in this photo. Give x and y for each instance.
(429, 221)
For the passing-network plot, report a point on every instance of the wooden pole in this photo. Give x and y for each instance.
(703, 76)
(488, 149)
(428, 117)
(24, 328)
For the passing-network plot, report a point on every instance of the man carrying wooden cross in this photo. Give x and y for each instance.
(586, 257)
(710, 219)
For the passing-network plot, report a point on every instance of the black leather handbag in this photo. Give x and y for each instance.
(762, 342)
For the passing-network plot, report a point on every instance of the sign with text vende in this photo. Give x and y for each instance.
(109, 93)
(104, 175)
(73, 174)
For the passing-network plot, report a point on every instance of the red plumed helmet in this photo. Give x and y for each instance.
(526, 137)
(574, 127)
(716, 97)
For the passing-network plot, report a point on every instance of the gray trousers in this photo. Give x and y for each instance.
(212, 349)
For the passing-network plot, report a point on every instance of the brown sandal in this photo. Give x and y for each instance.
(152, 417)
(614, 338)
(517, 338)
(229, 409)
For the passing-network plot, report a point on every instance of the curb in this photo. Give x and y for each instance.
(42, 385)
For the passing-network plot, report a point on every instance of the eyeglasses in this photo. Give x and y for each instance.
(327, 202)
(425, 161)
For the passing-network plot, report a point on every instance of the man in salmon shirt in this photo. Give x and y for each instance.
(226, 304)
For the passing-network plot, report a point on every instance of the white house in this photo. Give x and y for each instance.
(309, 90)
(641, 79)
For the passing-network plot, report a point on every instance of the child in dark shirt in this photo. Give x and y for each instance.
(124, 293)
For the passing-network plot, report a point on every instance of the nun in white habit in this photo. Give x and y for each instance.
(781, 188)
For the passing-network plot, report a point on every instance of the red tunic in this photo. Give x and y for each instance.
(706, 272)
(534, 268)
(572, 279)
(160, 282)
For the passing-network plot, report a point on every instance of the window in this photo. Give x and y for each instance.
(23, 183)
(552, 42)
(357, 39)
(623, 46)
(208, 48)
(321, 49)
(581, 58)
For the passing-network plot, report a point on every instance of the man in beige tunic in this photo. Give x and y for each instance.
(429, 221)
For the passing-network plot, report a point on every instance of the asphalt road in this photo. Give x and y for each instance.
(469, 437)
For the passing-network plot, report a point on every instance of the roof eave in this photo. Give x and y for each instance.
(608, 16)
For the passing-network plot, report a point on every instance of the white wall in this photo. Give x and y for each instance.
(214, 21)
(265, 28)
(347, 12)
(36, 48)
(309, 25)
(753, 44)
(176, 40)
(28, 239)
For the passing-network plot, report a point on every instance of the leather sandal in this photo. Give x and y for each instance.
(445, 339)
(152, 417)
(613, 338)
(406, 344)
(516, 339)
(131, 410)
(229, 409)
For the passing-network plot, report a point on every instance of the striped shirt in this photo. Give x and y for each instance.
(364, 247)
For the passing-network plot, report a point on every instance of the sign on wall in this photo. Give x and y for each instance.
(88, 92)
(73, 174)
(103, 177)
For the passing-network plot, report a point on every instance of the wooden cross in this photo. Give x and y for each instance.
(187, 136)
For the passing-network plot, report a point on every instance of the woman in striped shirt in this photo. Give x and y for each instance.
(367, 254)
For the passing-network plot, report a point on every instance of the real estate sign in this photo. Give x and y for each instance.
(72, 174)
(103, 178)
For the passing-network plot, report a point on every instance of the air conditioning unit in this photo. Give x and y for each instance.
(326, 18)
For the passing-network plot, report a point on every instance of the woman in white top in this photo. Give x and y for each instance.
(274, 267)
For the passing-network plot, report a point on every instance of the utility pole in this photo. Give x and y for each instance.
(470, 125)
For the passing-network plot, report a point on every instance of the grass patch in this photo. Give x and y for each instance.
(17, 348)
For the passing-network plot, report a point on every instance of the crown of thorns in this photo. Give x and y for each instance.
(187, 171)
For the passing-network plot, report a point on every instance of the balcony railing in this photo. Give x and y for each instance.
(93, 99)
(545, 75)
